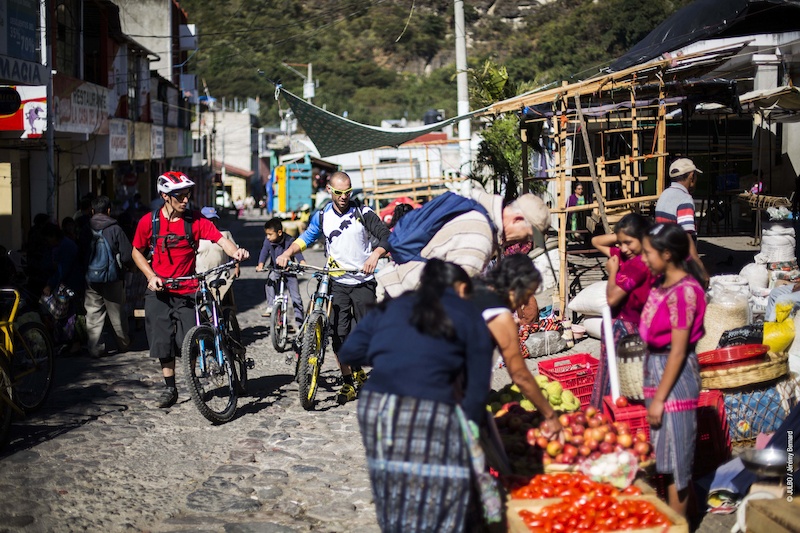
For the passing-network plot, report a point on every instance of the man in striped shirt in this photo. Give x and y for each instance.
(676, 204)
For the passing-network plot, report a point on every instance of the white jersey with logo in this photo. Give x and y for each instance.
(346, 241)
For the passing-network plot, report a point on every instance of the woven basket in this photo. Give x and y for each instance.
(733, 378)
(631, 351)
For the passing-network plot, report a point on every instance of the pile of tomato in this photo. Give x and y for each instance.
(600, 513)
(567, 485)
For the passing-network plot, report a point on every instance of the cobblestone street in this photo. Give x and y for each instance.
(101, 457)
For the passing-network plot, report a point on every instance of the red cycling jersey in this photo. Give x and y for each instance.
(174, 257)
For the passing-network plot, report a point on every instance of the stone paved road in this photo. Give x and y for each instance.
(101, 457)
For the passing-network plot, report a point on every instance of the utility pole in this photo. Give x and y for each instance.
(309, 85)
(464, 131)
(51, 111)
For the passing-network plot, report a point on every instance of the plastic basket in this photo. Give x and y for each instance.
(635, 414)
(575, 372)
(713, 446)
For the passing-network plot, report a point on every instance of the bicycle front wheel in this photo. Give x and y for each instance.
(31, 366)
(234, 335)
(6, 402)
(212, 383)
(279, 326)
(311, 357)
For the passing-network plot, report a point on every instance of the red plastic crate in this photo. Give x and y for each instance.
(635, 414)
(713, 445)
(575, 372)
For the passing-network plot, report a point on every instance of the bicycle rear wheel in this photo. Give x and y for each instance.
(279, 326)
(6, 400)
(234, 335)
(212, 385)
(31, 366)
(311, 357)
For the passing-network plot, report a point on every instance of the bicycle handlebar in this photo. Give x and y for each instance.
(322, 269)
(202, 275)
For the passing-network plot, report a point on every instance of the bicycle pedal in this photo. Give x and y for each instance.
(289, 360)
(251, 364)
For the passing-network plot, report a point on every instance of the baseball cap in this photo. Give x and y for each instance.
(682, 166)
(209, 212)
(535, 211)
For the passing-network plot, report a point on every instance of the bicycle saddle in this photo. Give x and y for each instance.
(217, 283)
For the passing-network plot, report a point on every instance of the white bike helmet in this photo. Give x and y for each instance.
(173, 181)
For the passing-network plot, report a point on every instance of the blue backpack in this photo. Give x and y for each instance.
(418, 227)
(104, 265)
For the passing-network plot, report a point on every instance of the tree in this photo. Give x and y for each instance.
(500, 151)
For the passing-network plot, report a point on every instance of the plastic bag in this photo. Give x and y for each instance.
(57, 303)
(725, 311)
(617, 468)
(779, 335)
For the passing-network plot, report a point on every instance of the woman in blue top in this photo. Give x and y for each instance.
(431, 355)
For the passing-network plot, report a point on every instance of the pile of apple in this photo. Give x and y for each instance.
(587, 434)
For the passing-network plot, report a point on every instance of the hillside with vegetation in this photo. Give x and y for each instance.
(389, 59)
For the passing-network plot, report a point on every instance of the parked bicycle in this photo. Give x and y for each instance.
(313, 337)
(26, 364)
(212, 351)
(279, 318)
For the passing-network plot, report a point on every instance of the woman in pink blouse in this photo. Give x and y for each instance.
(671, 325)
(629, 282)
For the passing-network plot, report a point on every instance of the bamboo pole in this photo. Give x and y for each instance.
(561, 203)
(662, 140)
(608, 203)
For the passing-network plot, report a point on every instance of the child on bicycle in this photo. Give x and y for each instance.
(275, 243)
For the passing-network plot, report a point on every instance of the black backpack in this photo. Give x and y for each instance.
(104, 265)
(170, 240)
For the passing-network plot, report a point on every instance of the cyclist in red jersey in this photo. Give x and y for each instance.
(169, 311)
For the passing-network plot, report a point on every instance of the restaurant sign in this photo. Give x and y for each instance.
(81, 107)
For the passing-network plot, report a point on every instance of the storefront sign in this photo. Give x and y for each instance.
(141, 140)
(18, 23)
(157, 142)
(10, 101)
(14, 70)
(118, 140)
(81, 107)
(31, 116)
(171, 142)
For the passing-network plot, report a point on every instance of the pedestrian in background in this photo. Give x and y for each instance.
(421, 346)
(106, 298)
(211, 254)
(676, 205)
(275, 243)
(576, 219)
(671, 324)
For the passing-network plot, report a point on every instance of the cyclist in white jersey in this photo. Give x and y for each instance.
(355, 238)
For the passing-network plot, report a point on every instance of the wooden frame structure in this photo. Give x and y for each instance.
(640, 101)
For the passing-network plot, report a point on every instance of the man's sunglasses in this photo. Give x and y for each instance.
(337, 192)
(181, 196)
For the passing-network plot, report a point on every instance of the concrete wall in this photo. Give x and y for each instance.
(233, 142)
(143, 18)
